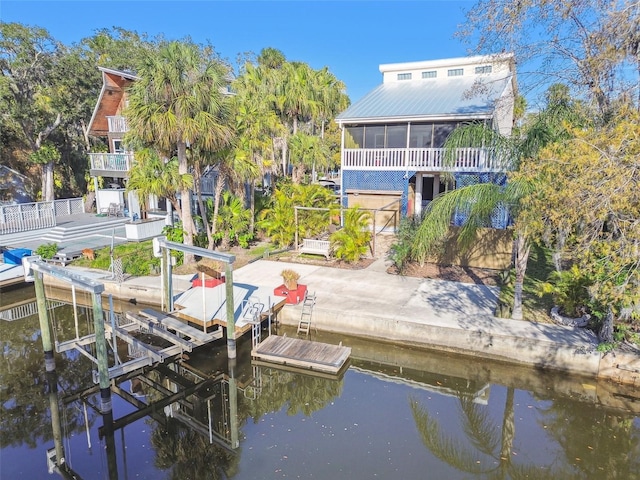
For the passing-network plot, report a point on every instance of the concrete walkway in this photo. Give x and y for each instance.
(438, 314)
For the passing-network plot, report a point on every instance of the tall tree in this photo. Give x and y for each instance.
(589, 195)
(178, 102)
(587, 44)
(28, 57)
(307, 152)
(480, 201)
(150, 175)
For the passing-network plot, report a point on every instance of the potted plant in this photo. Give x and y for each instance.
(290, 278)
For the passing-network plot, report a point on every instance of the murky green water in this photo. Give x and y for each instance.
(396, 413)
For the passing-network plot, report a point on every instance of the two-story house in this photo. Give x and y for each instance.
(392, 138)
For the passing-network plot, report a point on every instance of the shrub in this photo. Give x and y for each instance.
(47, 251)
(570, 291)
(352, 241)
(401, 251)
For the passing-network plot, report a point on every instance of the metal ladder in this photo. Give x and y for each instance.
(253, 312)
(307, 310)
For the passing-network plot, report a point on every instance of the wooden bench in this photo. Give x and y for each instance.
(315, 247)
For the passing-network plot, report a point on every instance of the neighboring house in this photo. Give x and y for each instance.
(108, 122)
(13, 188)
(392, 139)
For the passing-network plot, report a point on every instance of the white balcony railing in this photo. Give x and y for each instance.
(422, 159)
(117, 124)
(116, 162)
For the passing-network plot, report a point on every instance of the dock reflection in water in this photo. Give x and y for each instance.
(395, 413)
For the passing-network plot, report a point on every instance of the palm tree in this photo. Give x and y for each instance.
(352, 241)
(233, 220)
(178, 102)
(150, 175)
(480, 201)
(255, 125)
(307, 151)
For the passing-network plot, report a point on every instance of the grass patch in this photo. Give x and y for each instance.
(137, 258)
(534, 307)
(259, 250)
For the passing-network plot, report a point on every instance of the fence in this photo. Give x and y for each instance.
(33, 216)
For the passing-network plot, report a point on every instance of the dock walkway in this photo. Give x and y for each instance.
(304, 354)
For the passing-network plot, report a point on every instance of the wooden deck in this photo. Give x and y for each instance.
(302, 354)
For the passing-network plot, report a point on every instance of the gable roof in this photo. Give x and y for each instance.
(428, 98)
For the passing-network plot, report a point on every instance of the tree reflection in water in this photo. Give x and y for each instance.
(488, 450)
(187, 454)
(587, 441)
(25, 416)
(301, 393)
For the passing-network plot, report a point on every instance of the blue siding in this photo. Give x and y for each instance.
(500, 216)
(378, 180)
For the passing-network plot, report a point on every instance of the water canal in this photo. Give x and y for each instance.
(396, 413)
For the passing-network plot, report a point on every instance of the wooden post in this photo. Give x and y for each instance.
(233, 405)
(101, 354)
(54, 406)
(43, 315)
(231, 321)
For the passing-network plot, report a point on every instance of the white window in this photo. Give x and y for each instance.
(455, 72)
(430, 74)
(483, 69)
(118, 147)
(404, 76)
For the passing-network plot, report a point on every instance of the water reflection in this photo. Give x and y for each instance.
(396, 413)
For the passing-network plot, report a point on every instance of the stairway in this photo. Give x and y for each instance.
(61, 233)
(304, 324)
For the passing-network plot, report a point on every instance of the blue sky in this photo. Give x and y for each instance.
(350, 37)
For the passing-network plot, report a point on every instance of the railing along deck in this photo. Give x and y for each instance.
(118, 162)
(32, 216)
(422, 159)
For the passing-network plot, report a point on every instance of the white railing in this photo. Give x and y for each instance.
(117, 124)
(26, 310)
(33, 216)
(26, 216)
(117, 162)
(68, 206)
(422, 159)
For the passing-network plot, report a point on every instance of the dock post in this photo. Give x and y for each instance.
(166, 279)
(109, 434)
(233, 404)
(54, 406)
(101, 353)
(231, 321)
(43, 315)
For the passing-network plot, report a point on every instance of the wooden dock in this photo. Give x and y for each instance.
(304, 354)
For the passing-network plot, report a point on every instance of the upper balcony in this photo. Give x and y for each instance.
(117, 124)
(423, 160)
(110, 164)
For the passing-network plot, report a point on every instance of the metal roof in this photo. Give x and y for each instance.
(429, 98)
